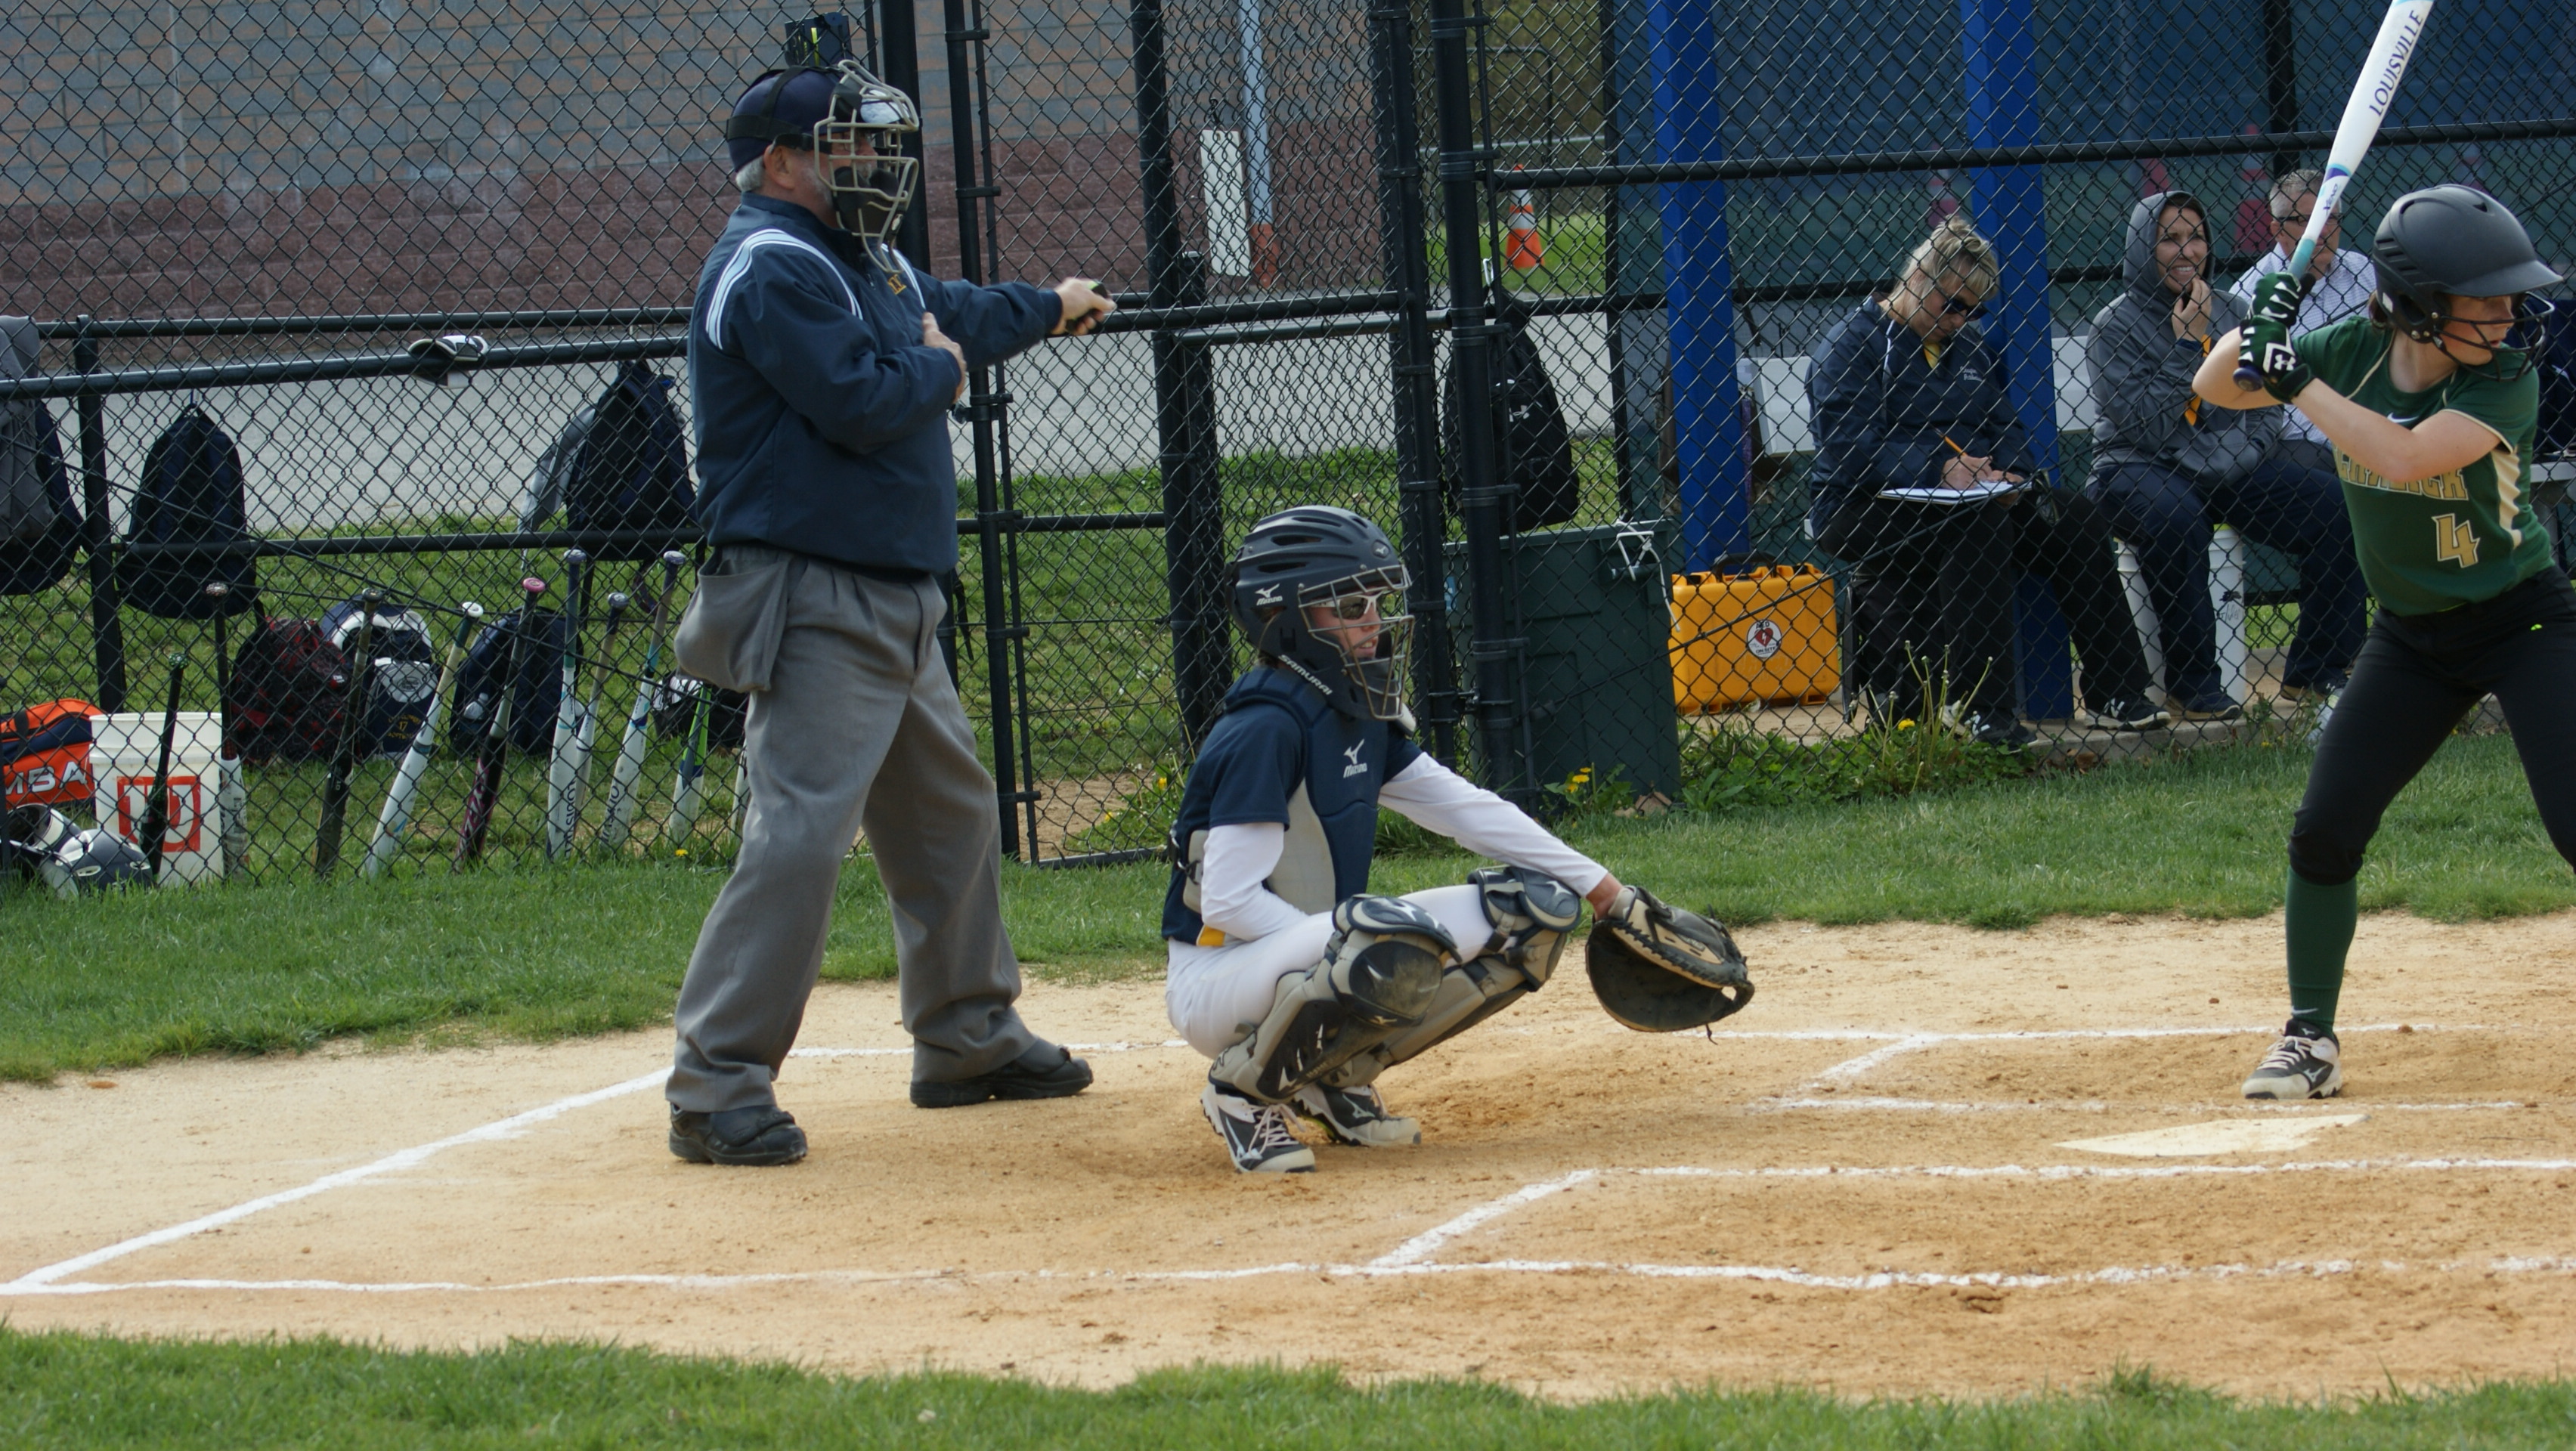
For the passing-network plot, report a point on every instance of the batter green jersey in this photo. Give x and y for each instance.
(2434, 544)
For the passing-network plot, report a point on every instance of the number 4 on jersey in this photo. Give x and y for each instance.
(2455, 541)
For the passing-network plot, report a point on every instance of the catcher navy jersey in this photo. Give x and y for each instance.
(1280, 753)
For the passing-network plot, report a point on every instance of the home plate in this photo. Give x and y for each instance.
(2220, 1136)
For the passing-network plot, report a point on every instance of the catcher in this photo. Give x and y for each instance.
(1283, 969)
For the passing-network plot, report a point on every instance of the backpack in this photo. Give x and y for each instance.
(44, 754)
(1533, 448)
(538, 694)
(283, 700)
(40, 527)
(632, 471)
(191, 494)
(402, 681)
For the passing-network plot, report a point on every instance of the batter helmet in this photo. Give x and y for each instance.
(830, 112)
(2452, 241)
(1318, 556)
(92, 861)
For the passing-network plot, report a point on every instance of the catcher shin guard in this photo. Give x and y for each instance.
(1661, 969)
(1531, 914)
(1378, 974)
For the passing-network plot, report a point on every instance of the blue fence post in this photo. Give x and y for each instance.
(2003, 110)
(1699, 282)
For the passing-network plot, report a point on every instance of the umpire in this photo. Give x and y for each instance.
(822, 367)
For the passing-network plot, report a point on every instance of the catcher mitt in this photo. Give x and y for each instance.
(1661, 969)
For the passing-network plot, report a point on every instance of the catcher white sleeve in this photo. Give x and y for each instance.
(1232, 896)
(1432, 795)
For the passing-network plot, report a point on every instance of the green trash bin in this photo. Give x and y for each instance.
(1595, 611)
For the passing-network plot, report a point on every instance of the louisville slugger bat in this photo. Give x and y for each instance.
(395, 819)
(588, 738)
(155, 826)
(617, 818)
(354, 704)
(2401, 32)
(492, 756)
(559, 765)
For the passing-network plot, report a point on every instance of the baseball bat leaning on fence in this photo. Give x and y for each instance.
(232, 796)
(154, 830)
(559, 764)
(689, 789)
(395, 819)
(588, 738)
(493, 754)
(619, 814)
(2401, 30)
(344, 753)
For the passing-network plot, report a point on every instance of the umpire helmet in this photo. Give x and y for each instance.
(1319, 557)
(830, 111)
(2445, 242)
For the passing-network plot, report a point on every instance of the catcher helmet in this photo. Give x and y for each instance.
(1316, 557)
(92, 861)
(2452, 241)
(29, 834)
(831, 112)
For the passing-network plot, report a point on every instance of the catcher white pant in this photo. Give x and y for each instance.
(1216, 994)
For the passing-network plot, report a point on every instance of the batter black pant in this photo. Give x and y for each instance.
(1934, 591)
(2417, 676)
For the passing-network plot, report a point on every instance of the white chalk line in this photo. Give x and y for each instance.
(511, 1127)
(2095, 1105)
(1850, 1070)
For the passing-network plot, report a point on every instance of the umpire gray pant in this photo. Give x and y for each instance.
(860, 726)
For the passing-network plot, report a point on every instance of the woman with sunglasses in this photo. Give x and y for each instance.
(1922, 482)
(2432, 412)
(2166, 468)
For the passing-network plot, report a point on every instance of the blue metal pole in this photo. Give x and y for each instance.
(1708, 429)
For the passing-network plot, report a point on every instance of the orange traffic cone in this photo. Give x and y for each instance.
(1522, 248)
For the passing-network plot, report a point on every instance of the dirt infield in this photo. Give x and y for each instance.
(1867, 1186)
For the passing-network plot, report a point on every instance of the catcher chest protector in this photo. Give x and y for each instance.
(283, 699)
(191, 494)
(632, 471)
(1532, 447)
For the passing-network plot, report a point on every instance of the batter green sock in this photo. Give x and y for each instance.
(2319, 927)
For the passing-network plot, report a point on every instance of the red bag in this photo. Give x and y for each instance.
(285, 694)
(44, 754)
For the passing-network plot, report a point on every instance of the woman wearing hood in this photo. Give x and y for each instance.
(2166, 468)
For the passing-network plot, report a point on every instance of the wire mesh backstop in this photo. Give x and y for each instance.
(1588, 304)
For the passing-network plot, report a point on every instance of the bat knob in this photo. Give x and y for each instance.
(471, 610)
(2248, 377)
(617, 602)
(533, 585)
(674, 558)
(574, 558)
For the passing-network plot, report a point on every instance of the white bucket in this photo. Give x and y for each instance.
(124, 752)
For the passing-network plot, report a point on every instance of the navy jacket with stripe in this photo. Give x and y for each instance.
(821, 416)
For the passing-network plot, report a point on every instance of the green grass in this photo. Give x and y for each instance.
(62, 1389)
(119, 980)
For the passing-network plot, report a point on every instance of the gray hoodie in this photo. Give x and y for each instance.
(2141, 373)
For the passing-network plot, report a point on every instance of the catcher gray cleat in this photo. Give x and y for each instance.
(1378, 974)
(1256, 1134)
(1531, 914)
(1354, 1116)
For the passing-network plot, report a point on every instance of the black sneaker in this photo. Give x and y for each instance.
(1355, 1116)
(2306, 1063)
(1256, 1134)
(2002, 731)
(763, 1134)
(1045, 1071)
(2129, 713)
(2324, 686)
(2216, 707)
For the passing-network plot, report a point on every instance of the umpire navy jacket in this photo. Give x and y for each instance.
(821, 416)
(1880, 410)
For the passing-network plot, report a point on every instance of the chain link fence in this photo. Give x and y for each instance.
(1577, 299)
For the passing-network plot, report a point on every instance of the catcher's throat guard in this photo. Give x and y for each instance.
(1661, 969)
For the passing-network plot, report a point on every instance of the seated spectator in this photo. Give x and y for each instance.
(1907, 396)
(2339, 285)
(2166, 469)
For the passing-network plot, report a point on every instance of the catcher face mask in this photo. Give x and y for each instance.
(1363, 625)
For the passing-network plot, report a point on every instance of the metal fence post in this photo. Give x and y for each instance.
(1184, 408)
(106, 626)
(1402, 232)
(1497, 700)
(983, 406)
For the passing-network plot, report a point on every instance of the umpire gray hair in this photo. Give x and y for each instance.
(747, 179)
(2287, 191)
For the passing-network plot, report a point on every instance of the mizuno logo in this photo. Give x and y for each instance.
(1357, 767)
(1269, 595)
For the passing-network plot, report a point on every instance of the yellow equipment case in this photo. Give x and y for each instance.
(1768, 635)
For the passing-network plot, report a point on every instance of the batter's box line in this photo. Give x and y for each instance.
(37, 1280)
(2095, 1105)
(1851, 1069)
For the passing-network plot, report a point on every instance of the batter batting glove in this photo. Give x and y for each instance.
(2267, 335)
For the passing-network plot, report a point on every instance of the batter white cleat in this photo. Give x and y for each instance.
(2305, 1063)
(1256, 1134)
(1355, 1116)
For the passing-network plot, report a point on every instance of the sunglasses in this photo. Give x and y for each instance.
(1352, 609)
(1960, 307)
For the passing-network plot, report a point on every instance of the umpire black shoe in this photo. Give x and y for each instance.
(1045, 1071)
(762, 1134)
